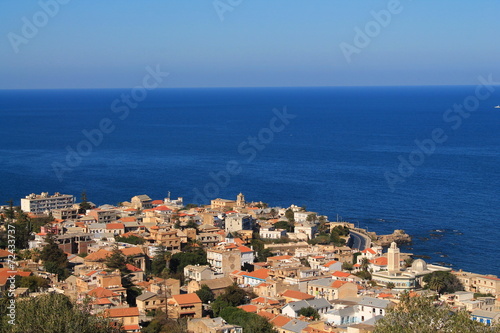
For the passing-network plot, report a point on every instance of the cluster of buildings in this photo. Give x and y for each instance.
(297, 276)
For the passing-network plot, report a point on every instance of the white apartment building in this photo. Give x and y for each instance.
(42, 203)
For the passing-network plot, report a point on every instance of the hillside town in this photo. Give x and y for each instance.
(296, 270)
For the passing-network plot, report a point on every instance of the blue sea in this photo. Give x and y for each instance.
(351, 152)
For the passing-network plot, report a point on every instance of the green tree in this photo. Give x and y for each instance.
(364, 264)
(54, 259)
(189, 206)
(55, 313)
(251, 322)
(311, 218)
(192, 255)
(33, 283)
(287, 225)
(390, 285)
(420, 315)
(309, 312)
(23, 230)
(233, 295)
(290, 215)
(443, 282)
(117, 260)
(347, 266)
(132, 239)
(84, 205)
(205, 294)
(161, 261)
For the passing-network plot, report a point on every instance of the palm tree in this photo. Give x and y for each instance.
(436, 284)
(364, 264)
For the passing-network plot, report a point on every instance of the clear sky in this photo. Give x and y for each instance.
(107, 44)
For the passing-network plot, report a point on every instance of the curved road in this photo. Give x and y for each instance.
(358, 240)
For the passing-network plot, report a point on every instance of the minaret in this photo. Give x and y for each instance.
(240, 200)
(393, 258)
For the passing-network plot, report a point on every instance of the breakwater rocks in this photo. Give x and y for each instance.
(398, 236)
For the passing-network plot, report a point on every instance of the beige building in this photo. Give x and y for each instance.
(197, 272)
(65, 213)
(216, 285)
(41, 203)
(148, 301)
(103, 215)
(222, 204)
(236, 222)
(224, 261)
(167, 238)
(332, 289)
(185, 306)
(127, 318)
(141, 202)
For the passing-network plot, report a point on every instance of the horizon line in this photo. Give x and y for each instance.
(251, 87)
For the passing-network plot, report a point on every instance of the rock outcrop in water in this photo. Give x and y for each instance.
(398, 236)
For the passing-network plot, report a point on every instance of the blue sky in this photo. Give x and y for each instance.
(107, 44)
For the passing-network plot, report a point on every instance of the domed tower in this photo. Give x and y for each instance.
(393, 258)
(240, 200)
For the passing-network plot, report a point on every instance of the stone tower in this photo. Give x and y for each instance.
(393, 258)
(240, 200)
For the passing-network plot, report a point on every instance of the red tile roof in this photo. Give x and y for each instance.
(264, 300)
(130, 251)
(262, 274)
(248, 308)
(244, 249)
(103, 301)
(4, 253)
(132, 268)
(131, 327)
(279, 258)
(101, 292)
(280, 321)
(187, 298)
(265, 314)
(99, 255)
(91, 273)
(340, 274)
(369, 250)
(328, 264)
(115, 226)
(162, 208)
(297, 295)
(122, 312)
(381, 261)
(338, 284)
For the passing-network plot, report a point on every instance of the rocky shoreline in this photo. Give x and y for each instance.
(399, 236)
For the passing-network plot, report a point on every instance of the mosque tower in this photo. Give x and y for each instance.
(393, 258)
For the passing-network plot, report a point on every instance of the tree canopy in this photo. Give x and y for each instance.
(251, 322)
(52, 313)
(205, 294)
(117, 260)
(191, 256)
(443, 282)
(309, 312)
(54, 259)
(132, 239)
(420, 314)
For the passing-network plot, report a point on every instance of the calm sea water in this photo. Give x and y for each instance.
(331, 157)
